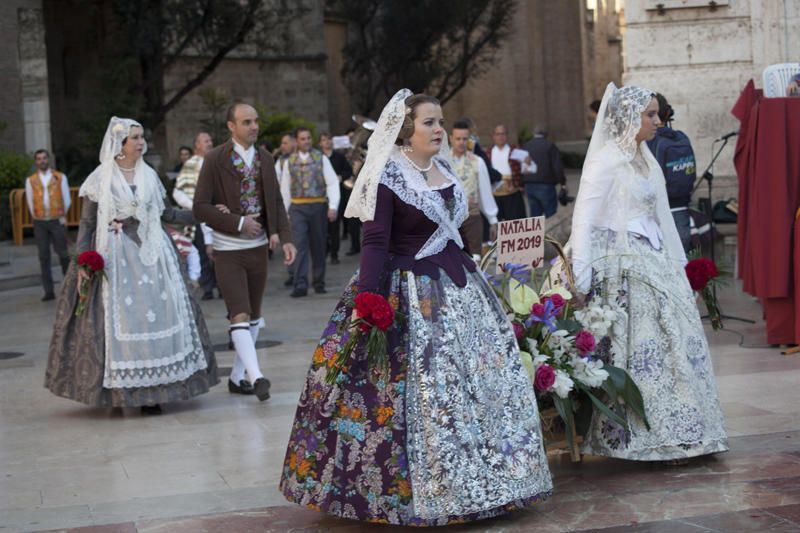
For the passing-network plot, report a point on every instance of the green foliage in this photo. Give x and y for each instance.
(524, 134)
(14, 168)
(273, 124)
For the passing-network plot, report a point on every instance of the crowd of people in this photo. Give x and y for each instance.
(449, 430)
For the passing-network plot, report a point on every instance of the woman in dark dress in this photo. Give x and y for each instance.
(451, 433)
(141, 340)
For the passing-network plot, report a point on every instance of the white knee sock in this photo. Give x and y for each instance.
(245, 350)
(255, 327)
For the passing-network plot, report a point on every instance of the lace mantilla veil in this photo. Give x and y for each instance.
(380, 148)
(115, 200)
(607, 192)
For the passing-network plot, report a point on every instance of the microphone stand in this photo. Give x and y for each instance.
(709, 177)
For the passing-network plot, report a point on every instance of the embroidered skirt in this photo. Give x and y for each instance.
(451, 434)
(660, 341)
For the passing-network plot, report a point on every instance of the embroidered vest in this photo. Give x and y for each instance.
(513, 183)
(249, 192)
(307, 178)
(54, 192)
(466, 168)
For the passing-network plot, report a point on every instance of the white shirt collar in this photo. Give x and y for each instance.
(247, 154)
(46, 175)
(303, 155)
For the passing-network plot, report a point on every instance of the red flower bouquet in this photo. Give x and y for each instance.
(93, 264)
(375, 317)
(702, 273)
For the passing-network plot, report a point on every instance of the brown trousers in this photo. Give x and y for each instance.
(241, 277)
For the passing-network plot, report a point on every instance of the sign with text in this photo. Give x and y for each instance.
(520, 242)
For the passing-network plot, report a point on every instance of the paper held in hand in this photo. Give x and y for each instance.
(520, 242)
(519, 155)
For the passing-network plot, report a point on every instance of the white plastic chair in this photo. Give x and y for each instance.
(777, 78)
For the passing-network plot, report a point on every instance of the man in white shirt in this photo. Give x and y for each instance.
(508, 191)
(474, 176)
(47, 194)
(310, 191)
(185, 185)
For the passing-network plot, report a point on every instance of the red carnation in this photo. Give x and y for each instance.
(584, 342)
(558, 301)
(700, 271)
(91, 260)
(374, 310)
(537, 310)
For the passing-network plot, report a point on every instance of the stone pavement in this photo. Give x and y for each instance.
(213, 463)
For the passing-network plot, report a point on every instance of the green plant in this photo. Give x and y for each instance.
(524, 134)
(14, 168)
(275, 124)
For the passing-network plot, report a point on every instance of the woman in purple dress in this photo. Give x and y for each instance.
(452, 432)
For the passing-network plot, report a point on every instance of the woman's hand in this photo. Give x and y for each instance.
(222, 208)
(82, 275)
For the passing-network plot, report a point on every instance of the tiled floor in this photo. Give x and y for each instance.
(216, 459)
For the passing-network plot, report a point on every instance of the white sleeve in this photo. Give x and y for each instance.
(29, 196)
(208, 234)
(65, 193)
(193, 264)
(182, 199)
(331, 183)
(592, 198)
(528, 169)
(284, 180)
(487, 203)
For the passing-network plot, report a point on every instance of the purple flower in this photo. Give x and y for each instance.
(544, 313)
(519, 272)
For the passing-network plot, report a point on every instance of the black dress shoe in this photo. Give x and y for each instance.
(289, 282)
(299, 293)
(334, 260)
(320, 290)
(207, 296)
(151, 410)
(244, 387)
(49, 296)
(353, 252)
(261, 388)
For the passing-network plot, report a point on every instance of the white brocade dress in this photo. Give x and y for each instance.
(659, 340)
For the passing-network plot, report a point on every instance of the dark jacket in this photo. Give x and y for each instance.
(219, 183)
(549, 168)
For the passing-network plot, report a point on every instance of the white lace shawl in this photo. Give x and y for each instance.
(610, 194)
(115, 200)
(410, 186)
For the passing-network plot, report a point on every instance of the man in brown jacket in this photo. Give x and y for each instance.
(238, 197)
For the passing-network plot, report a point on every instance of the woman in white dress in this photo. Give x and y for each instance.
(626, 252)
(141, 340)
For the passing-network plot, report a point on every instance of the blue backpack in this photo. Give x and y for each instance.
(674, 153)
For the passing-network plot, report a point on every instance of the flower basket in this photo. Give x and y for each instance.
(565, 345)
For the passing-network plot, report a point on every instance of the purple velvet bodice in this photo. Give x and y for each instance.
(394, 237)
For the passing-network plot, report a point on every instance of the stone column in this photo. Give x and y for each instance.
(33, 75)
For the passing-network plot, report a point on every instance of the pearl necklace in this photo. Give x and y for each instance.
(418, 168)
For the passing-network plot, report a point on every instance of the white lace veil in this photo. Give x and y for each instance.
(116, 200)
(606, 195)
(380, 147)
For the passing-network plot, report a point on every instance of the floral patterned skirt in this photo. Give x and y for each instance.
(450, 434)
(660, 341)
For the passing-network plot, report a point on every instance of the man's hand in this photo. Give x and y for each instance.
(493, 232)
(274, 241)
(251, 227)
(289, 253)
(222, 208)
(210, 252)
(62, 221)
(332, 214)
